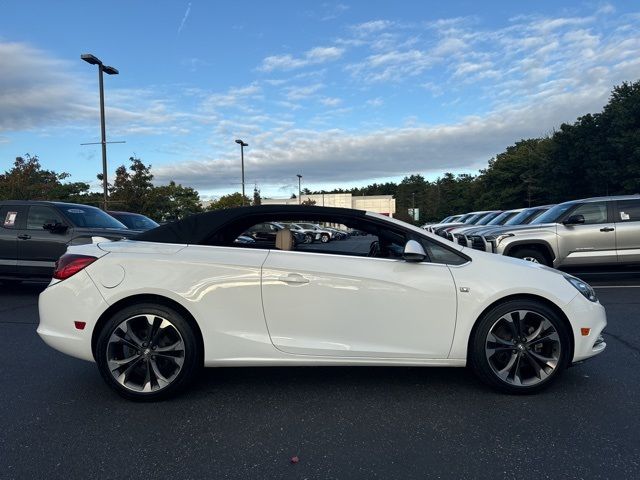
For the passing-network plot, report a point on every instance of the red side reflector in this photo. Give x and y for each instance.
(80, 325)
(585, 332)
(69, 264)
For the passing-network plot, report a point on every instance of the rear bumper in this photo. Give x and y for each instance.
(57, 319)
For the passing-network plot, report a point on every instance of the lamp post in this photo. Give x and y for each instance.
(299, 191)
(102, 69)
(242, 145)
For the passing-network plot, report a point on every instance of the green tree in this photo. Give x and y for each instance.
(132, 188)
(229, 201)
(27, 180)
(172, 202)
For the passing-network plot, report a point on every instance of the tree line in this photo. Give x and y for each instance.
(598, 154)
(132, 190)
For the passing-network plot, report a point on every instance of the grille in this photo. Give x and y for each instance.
(477, 243)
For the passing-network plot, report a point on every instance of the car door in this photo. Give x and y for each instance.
(353, 306)
(590, 243)
(627, 218)
(38, 248)
(10, 218)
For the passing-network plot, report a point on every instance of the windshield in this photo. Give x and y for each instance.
(551, 215)
(90, 217)
(475, 218)
(471, 220)
(487, 218)
(137, 222)
(500, 219)
(520, 217)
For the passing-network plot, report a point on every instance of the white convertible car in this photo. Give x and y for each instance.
(152, 310)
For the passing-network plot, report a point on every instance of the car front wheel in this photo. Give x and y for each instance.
(520, 347)
(147, 352)
(531, 255)
(324, 238)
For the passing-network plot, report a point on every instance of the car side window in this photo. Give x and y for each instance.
(39, 216)
(593, 212)
(9, 216)
(439, 254)
(628, 211)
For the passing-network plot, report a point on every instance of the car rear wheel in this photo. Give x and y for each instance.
(308, 238)
(324, 238)
(520, 347)
(531, 255)
(147, 352)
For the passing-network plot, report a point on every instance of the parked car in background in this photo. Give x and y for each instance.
(591, 231)
(310, 235)
(454, 233)
(470, 219)
(337, 233)
(34, 234)
(500, 219)
(266, 233)
(325, 235)
(475, 238)
(134, 221)
(450, 218)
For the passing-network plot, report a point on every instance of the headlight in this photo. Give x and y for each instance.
(583, 287)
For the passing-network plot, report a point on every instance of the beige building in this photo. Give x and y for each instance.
(384, 204)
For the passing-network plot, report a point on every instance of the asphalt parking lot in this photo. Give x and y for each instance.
(59, 420)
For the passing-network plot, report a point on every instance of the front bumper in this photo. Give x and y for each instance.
(584, 315)
(61, 305)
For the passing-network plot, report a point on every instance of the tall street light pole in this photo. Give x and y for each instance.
(299, 191)
(242, 145)
(102, 69)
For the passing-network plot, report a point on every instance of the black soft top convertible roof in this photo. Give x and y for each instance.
(196, 229)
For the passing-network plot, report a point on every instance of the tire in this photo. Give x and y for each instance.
(508, 365)
(172, 358)
(308, 238)
(324, 238)
(531, 255)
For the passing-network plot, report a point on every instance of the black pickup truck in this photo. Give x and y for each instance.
(34, 234)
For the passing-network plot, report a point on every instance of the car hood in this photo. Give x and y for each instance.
(520, 229)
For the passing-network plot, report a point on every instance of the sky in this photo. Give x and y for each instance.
(344, 93)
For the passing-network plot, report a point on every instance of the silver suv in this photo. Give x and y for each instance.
(592, 231)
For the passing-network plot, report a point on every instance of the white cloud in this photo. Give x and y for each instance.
(330, 101)
(301, 92)
(314, 56)
(231, 97)
(338, 156)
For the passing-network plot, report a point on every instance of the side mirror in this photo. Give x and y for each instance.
(574, 220)
(413, 252)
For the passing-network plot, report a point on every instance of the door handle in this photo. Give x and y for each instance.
(607, 229)
(293, 278)
(24, 236)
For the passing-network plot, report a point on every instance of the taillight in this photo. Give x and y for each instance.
(69, 264)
